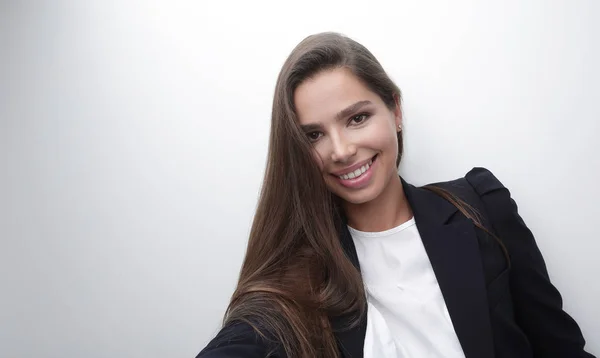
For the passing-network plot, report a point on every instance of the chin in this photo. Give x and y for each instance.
(356, 200)
(358, 197)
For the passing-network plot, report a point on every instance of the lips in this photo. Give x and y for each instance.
(354, 167)
(363, 175)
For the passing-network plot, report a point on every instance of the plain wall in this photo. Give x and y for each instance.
(133, 140)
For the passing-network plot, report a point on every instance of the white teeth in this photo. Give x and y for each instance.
(357, 172)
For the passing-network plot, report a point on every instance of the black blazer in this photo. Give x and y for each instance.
(498, 310)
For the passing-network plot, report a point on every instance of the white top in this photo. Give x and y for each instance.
(406, 315)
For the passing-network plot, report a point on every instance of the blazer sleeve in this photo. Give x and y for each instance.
(238, 340)
(537, 303)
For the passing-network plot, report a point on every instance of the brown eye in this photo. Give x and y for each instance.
(314, 136)
(360, 118)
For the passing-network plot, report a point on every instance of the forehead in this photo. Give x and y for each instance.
(322, 96)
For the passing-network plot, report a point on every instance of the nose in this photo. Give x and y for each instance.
(342, 149)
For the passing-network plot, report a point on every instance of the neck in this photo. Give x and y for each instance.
(386, 211)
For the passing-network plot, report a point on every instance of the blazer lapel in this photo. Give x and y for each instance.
(455, 257)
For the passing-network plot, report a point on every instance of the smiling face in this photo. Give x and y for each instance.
(354, 133)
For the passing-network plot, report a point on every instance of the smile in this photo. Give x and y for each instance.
(358, 172)
(358, 178)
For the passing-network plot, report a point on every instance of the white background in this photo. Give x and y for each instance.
(134, 134)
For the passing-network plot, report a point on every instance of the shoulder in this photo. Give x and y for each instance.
(496, 197)
(482, 190)
(478, 178)
(239, 339)
(483, 181)
(477, 183)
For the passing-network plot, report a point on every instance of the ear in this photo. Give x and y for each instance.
(397, 112)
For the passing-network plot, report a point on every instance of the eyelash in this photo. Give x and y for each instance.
(365, 115)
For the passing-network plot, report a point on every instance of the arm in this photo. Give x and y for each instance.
(237, 340)
(537, 303)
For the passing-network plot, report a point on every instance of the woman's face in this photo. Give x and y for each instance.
(354, 134)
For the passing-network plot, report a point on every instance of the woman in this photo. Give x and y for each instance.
(346, 259)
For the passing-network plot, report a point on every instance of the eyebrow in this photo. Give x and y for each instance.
(351, 109)
(341, 115)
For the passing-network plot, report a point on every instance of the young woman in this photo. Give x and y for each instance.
(346, 259)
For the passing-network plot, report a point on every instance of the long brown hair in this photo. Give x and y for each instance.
(295, 276)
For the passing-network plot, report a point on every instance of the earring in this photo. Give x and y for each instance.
(399, 127)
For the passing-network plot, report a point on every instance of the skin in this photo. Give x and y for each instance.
(343, 138)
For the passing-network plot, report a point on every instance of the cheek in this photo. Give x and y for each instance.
(393, 138)
(381, 137)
